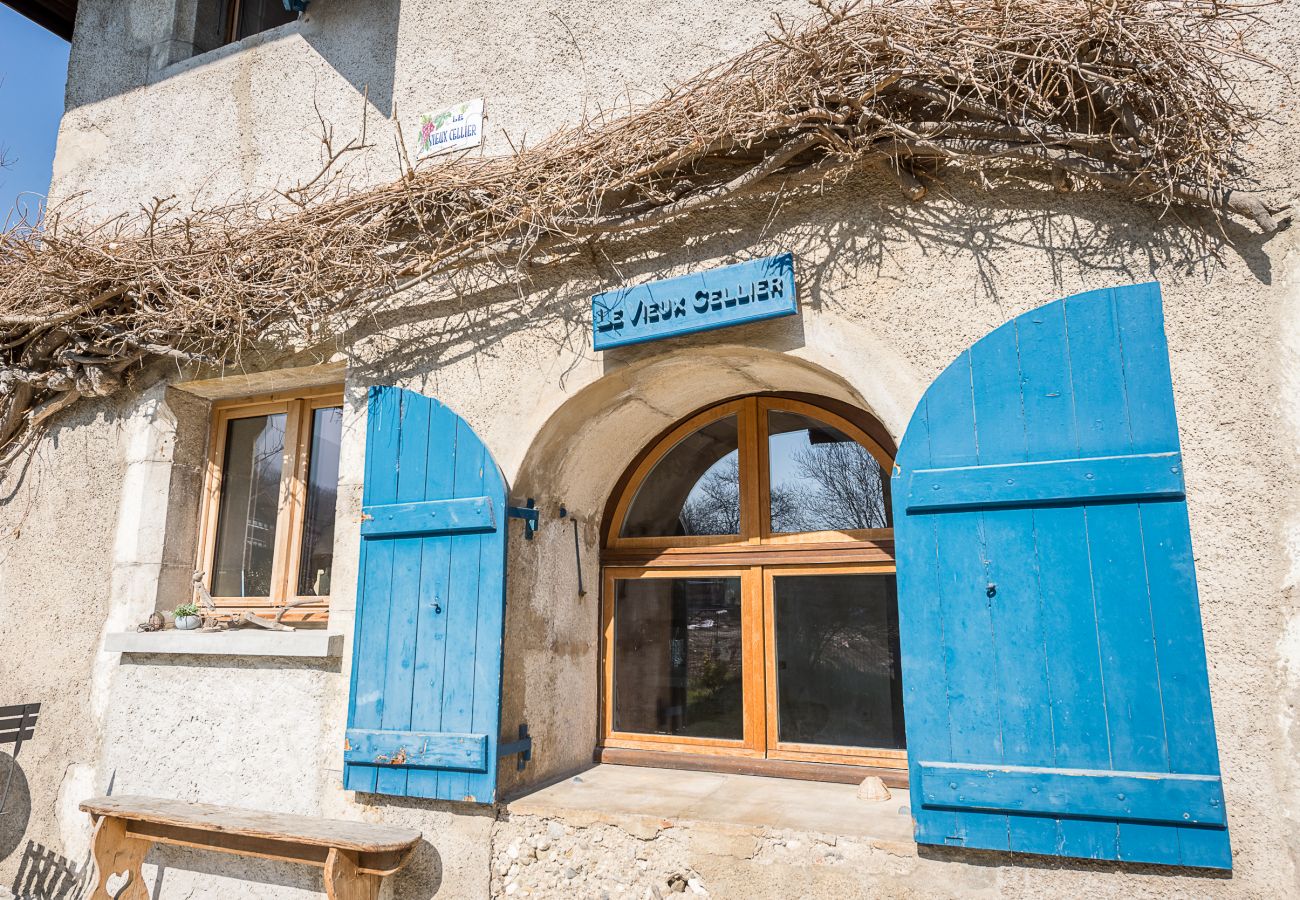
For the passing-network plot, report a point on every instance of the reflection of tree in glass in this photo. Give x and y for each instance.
(849, 490)
(713, 506)
(840, 486)
(262, 509)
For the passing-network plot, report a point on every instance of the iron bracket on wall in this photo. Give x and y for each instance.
(523, 746)
(530, 516)
(577, 550)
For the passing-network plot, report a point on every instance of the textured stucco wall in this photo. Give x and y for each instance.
(56, 569)
(892, 292)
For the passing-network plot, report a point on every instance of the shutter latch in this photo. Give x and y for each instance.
(530, 516)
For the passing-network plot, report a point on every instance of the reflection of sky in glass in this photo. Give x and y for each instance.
(781, 450)
(820, 478)
(250, 493)
(316, 561)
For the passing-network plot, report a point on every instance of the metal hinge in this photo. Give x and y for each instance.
(523, 746)
(529, 514)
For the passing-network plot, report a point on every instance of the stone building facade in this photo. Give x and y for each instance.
(101, 529)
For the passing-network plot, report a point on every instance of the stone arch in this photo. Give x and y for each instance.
(576, 459)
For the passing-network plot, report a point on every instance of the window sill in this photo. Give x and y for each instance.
(851, 773)
(634, 797)
(221, 51)
(241, 642)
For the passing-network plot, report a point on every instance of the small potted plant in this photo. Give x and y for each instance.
(187, 616)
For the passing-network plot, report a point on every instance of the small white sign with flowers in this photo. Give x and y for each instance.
(455, 128)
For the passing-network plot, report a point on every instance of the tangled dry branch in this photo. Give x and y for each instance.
(1127, 95)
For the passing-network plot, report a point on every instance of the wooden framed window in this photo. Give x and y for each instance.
(749, 604)
(266, 535)
(248, 17)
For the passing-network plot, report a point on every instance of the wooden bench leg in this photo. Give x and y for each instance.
(344, 882)
(115, 852)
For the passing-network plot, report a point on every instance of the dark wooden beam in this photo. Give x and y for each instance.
(56, 15)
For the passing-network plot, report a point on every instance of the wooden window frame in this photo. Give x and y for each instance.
(753, 742)
(751, 413)
(234, 9)
(298, 408)
(756, 556)
(758, 671)
(826, 753)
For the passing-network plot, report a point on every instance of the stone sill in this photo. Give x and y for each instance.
(643, 801)
(243, 642)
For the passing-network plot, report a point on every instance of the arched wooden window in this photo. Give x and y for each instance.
(750, 618)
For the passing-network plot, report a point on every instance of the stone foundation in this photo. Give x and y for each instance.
(607, 857)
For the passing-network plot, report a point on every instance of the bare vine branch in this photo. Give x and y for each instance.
(1133, 96)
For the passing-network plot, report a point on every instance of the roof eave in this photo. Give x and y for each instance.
(56, 15)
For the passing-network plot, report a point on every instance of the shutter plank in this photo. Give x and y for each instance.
(1070, 643)
(462, 612)
(973, 691)
(1153, 425)
(490, 639)
(400, 752)
(400, 669)
(1184, 680)
(426, 702)
(1134, 718)
(1171, 577)
(370, 648)
(1149, 476)
(429, 517)
(925, 682)
(1025, 707)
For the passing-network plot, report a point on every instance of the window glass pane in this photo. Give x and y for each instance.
(677, 657)
(837, 670)
(250, 501)
(317, 555)
(694, 489)
(821, 479)
(259, 15)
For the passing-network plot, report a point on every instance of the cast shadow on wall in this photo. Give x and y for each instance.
(17, 809)
(361, 49)
(977, 242)
(422, 877)
(336, 33)
(46, 875)
(42, 873)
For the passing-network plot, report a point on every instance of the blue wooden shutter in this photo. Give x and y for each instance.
(424, 713)
(1054, 676)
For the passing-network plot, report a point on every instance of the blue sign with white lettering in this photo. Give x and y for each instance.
(731, 295)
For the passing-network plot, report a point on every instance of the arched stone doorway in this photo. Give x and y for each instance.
(577, 459)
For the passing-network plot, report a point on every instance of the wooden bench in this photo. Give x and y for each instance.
(354, 855)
